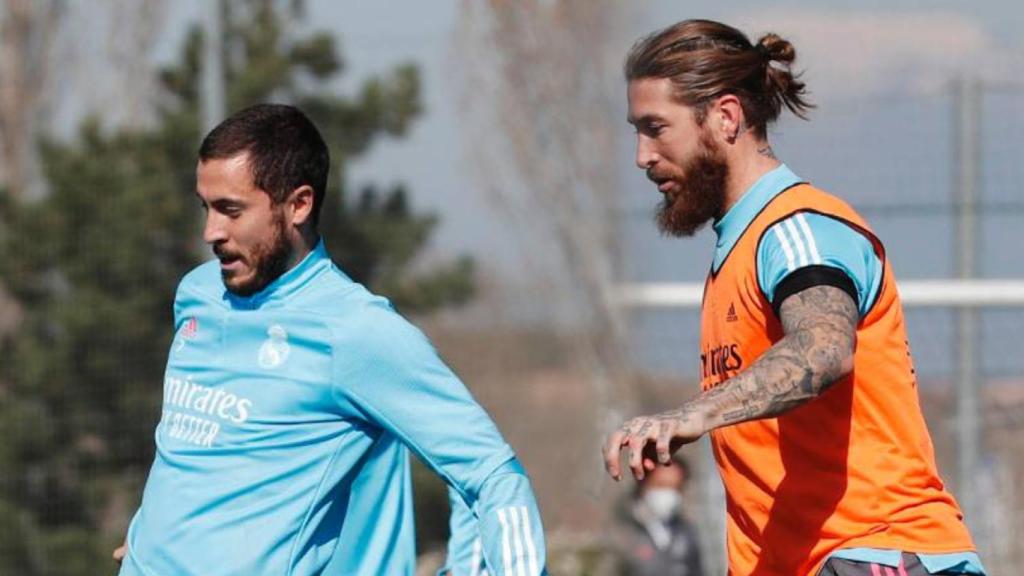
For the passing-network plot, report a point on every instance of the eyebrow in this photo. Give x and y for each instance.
(220, 201)
(645, 119)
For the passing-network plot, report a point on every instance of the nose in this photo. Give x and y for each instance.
(214, 231)
(645, 155)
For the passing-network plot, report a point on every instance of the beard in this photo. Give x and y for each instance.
(268, 260)
(699, 195)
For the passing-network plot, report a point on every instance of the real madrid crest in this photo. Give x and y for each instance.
(275, 348)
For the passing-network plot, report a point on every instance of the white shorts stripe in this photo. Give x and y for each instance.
(506, 550)
(517, 540)
(790, 260)
(797, 241)
(531, 548)
(811, 244)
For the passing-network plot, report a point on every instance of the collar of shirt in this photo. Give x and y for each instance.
(286, 284)
(731, 226)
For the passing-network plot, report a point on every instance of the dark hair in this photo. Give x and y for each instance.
(285, 150)
(705, 59)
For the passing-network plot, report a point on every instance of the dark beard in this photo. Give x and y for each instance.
(270, 261)
(701, 196)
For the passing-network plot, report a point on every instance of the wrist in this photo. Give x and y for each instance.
(695, 416)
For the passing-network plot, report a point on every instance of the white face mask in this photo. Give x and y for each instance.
(662, 502)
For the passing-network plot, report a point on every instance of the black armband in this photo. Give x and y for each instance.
(809, 277)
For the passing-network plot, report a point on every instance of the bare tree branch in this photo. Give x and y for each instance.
(135, 25)
(26, 30)
(538, 91)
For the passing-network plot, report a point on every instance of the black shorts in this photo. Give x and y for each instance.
(909, 566)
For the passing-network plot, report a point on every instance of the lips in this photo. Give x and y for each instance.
(663, 182)
(228, 261)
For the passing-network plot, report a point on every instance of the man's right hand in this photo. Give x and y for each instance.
(120, 552)
(651, 440)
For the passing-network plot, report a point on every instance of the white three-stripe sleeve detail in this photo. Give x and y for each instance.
(531, 548)
(797, 241)
(811, 244)
(506, 549)
(790, 260)
(474, 567)
(517, 541)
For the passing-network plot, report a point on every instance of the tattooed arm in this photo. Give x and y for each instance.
(820, 327)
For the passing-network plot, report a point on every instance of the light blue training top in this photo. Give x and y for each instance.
(811, 239)
(282, 445)
(802, 240)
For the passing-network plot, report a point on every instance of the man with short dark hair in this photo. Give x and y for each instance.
(809, 392)
(291, 394)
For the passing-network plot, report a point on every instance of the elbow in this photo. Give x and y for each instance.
(845, 366)
(849, 350)
(838, 362)
(841, 371)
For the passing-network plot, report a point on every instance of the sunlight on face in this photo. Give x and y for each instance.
(243, 226)
(678, 155)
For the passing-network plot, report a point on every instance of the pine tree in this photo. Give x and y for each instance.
(95, 263)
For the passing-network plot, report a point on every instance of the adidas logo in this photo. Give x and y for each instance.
(730, 316)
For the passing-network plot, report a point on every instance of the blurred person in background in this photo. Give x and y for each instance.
(809, 391)
(656, 538)
(292, 396)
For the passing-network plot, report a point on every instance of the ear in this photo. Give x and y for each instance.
(725, 118)
(300, 205)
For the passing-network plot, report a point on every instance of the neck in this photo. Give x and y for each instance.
(302, 244)
(750, 159)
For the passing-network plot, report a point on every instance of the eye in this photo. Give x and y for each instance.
(227, 208)
(654, 129)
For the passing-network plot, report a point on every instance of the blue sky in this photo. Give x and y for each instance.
(882, 134)
(877, 70)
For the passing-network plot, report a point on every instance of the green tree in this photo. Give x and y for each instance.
(95, 263)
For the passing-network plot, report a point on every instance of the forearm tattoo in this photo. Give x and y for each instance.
(820, 327)
(641, 426)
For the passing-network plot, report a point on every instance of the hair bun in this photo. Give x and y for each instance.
(774, 47)
(703, 59)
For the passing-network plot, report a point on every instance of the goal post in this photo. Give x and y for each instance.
(938, 293)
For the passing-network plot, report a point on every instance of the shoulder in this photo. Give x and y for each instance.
(805, 234)
(360, 319)
(202, 281)
(812, 201)
(370, 337)
(807, 248)
(811, 238)
(808, 196)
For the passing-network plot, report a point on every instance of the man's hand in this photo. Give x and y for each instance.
(651, 438)
(120, 552)
(820, 327)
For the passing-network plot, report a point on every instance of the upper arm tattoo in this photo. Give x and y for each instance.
(820, 327)
(823, 320)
